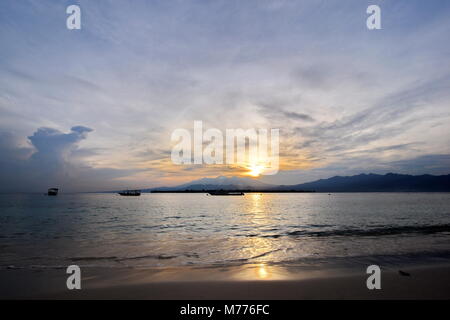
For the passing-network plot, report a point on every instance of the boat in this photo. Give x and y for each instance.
(52, 192)
(132, 193)
(225, 193)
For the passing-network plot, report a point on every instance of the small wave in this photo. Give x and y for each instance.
(385, 260)
(158, 257)
(264, 254)
(92, 258)
(243, 260)
(118, 259)
(424, 229)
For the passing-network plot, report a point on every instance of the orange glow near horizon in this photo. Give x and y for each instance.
(255, 170)
(262, 271)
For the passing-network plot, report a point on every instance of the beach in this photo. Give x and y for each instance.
(236, 283)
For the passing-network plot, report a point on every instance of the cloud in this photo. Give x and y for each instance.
(54, 147)
(425, 164)
(275, 110)
(436, 164)
(393, 115)
(53, 159)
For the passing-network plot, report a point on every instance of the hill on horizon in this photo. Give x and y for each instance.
(390, 182)
(221, 182)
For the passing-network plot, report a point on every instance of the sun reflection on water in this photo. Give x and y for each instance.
(257, 249)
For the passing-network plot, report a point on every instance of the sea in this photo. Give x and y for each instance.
(305, 230)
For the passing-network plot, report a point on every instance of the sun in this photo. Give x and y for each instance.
(255, 170)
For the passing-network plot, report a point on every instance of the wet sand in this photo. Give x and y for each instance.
(246, 282)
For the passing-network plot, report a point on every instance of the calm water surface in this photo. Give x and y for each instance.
(312, 230)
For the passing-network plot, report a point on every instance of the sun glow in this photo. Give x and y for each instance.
(262, 271)
(255, 170)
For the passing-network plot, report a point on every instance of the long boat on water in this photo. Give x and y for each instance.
(130, 193)
(225, 193)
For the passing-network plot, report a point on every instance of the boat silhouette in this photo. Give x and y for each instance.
(52, 192)
(130, 193)
(225, 193)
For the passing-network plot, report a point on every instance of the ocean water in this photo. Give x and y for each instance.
(156, 230)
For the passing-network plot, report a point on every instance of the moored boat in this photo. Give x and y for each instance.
(52, 192)
(225, 193)
(132, 193)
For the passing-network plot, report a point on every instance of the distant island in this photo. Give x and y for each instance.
(390, 182)
(231, 190)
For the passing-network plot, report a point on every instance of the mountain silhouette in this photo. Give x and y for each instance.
(390, 182)
(220, 183)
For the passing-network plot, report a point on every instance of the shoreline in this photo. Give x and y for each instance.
(258, 282)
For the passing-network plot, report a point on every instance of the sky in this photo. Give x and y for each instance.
(94, 109)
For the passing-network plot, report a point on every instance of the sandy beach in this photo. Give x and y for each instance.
(244, 282)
